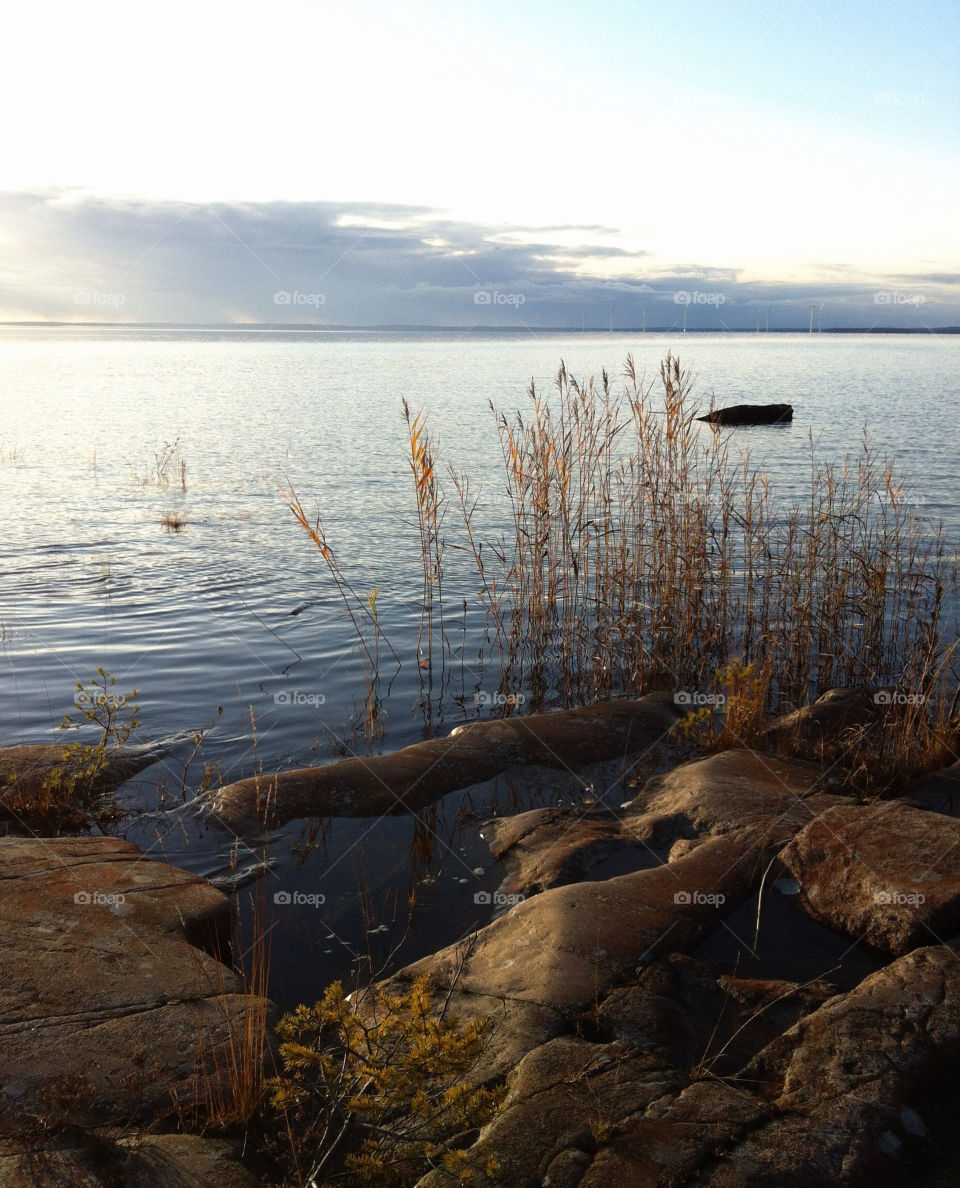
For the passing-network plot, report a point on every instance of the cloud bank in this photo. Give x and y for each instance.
(71, 256)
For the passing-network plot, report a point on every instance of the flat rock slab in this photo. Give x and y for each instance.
(724, 792)
(101, 978)
(886, 873)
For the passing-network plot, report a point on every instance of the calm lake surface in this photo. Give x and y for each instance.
(231, 626)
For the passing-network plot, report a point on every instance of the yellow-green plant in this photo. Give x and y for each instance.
(115, 714)
(375, 1086)
(101, 705)
(64, 794)
(736, 714)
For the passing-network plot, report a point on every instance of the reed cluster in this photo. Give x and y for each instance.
(646, 555)
(635, 549)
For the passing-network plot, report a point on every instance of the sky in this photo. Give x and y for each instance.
(656, 162)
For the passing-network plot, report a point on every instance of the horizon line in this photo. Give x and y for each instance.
(307, 328)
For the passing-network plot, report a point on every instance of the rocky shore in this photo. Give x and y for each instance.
(742, 975)
(112, 974)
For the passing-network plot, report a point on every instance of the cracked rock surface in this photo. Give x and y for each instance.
(111, 974)
(650, 1033)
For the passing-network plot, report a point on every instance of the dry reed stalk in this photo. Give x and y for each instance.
(230, 1078)
(430, 515)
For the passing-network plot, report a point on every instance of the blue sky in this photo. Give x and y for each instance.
(588, 158)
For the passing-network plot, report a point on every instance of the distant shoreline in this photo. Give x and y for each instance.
(319, 331)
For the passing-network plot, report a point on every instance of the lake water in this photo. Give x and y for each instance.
(230, 626)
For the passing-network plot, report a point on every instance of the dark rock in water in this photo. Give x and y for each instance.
(419, 775)
(750, 414)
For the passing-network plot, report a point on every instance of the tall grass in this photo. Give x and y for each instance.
(363, 615)
(430, 503)
(645, 555)
(233, 1050)
(643, 551)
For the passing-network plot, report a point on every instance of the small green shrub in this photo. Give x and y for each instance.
(372, 1087)
(64, 795)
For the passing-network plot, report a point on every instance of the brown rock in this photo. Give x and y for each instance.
(851, 1088)
(183, 1161)
(549, 847)
(848, 1095)
(826, 719)
(564, 1100)
(887, 873)
(677, 1137)
(139, 1161)
(724, 792)
(419, 775)
(102, 980)
(938, 791)
(26, 770)
(565, 946)
(673, 815)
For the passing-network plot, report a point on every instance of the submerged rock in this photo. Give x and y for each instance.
(419, 775)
